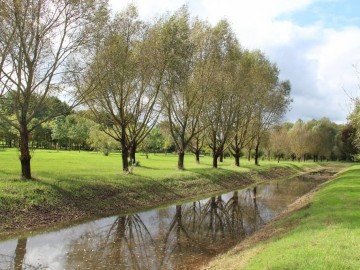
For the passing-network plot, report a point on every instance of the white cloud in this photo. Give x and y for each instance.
(317, 60)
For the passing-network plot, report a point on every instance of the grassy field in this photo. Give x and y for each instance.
(325, 234)
(75, 185)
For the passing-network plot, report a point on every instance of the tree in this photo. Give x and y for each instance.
(299, 137)
(37, 40)
(322, 138)
(279, 142)
(221, 106)
(100, 141)
(346, 142)
(154, 142)
(273, 99)
(197, 144)
(78, 130)
(59, 131)
(124, 80)
(188, 76)
(245, 100)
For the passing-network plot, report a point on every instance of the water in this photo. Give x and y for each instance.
(177, 237)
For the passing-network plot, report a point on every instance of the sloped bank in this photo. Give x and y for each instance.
(48, 204)
(321, 230)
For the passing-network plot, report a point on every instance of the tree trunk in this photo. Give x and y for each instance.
(278, 159)
(124, 155)
(249, 154)
(197, 156)
(215, 164)
(133, 153)
(257, 154)
(237, 160)
(221, 158)
(181, 160)
(236, 155)
(25, 156)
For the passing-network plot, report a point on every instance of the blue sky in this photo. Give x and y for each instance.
(315, 43)
(330, 13)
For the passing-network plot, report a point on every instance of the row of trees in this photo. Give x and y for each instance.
(193, 76)
(130, 74)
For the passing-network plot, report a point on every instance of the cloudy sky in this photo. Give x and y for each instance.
(315, 43)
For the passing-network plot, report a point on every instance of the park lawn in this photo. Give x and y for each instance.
(76, 185)
(325, 234)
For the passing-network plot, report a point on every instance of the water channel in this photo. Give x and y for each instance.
(176, 237)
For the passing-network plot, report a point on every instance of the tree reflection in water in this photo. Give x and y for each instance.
(177, 237)
(17, 262)
(196, 231)
(20, 253)
(125, 244)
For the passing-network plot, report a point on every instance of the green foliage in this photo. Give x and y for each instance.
(154, 142)
(100, 141)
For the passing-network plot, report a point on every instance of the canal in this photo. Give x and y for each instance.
(181, 236)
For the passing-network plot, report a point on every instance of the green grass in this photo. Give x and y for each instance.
(74, 185)
(325, 235)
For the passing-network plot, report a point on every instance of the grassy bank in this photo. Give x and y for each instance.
(323, 234)
(76, 185)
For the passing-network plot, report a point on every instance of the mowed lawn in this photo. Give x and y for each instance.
(92, 165)
(325, 235)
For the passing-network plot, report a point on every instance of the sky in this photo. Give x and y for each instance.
(315, 43)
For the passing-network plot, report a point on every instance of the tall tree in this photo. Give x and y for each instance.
(273, 99)
(37, 40)
(245, 102)
(188, 78)
(346, 142)
(299, 137)
(322, 141)
(221, 106)
(279, 141)
(124, 80)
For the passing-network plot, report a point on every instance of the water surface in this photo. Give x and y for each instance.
(177, 237)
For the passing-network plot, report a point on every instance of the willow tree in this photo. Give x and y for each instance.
(188, 77)
(221, 106)
(124, 80)
(279, 141)
(245, 100)
(37, 40)
(299, 137)
(273, 98)
(322, 141)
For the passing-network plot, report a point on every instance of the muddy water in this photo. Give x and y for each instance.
(177, 237)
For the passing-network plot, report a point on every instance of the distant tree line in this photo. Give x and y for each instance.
(318, 140)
